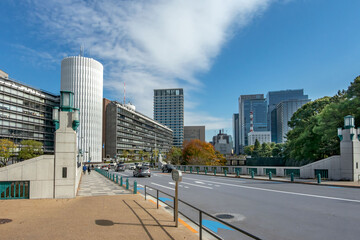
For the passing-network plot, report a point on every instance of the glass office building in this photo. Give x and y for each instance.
(26, 113)
(236, 133)
(169, 110)
(273, 98)
(256, 104)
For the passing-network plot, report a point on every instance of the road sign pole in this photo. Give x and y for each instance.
(176, 204)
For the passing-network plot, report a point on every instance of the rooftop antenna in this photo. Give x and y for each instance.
(81, 51)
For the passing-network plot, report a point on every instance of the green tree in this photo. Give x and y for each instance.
(7, 148)
(257, 148)
(265, 150)
(125, 154)
(277, 150)
(30, 149)
(141, 154)
(249, 150)
(174, 155)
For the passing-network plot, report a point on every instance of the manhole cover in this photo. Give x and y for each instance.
(5, 220)
(224, 216)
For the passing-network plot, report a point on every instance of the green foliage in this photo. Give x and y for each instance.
(314, 126)
(174, 156)
(264, 150)
(30, 149)
(7, 148)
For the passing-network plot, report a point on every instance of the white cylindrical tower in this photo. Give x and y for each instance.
(84, 77)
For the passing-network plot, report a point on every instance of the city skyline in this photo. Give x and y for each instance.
(215, 52)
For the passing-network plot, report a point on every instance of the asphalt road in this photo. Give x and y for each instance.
(269, 210)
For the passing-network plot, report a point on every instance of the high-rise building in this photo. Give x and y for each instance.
(194, 132)
(256, 104)
(84, 77)
(236, 133)
(273, 98)
(129, 130)
(284, 112)
(26, 113)
(169, 110)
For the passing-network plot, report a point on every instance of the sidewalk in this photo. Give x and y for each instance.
(120, 216)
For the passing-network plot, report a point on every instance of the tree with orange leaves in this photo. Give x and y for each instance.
(197, 152)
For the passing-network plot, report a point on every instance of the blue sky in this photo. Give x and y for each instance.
(216, 50)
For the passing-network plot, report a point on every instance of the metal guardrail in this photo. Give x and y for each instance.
(201, 213)
(115, 178)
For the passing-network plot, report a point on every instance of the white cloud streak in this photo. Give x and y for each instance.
(150, 44)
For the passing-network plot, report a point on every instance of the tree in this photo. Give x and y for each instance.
(197, 152)
(265, 150)
(174, 155)
(249, 150)
(277, 150)
(125, 154)
(256, 151)
(7, 148)
(30, 149)
(141, 154)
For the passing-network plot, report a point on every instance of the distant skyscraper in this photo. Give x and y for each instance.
(236, 133)
(223, 143)
(84, 77)
(284, 112)
(169, 110)
(194, 132)
(273, 99)
(256, 104)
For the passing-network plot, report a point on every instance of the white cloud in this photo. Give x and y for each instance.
(149, 44)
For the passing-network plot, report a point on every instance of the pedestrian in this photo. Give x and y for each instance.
(89, 170)
(84, 169)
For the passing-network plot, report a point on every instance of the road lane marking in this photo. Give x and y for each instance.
(162, 186)
(284, 192)
(199, 182)
(196, 185)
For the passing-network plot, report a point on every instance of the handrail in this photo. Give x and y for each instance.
(201, 212)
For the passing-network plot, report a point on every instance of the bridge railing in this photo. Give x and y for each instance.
(201, 215)
(14, 190)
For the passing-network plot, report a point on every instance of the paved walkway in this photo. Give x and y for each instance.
(90, 216)
(94, 184)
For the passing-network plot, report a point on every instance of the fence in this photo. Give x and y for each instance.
(201, 214)
(119, 180)
(14, 190)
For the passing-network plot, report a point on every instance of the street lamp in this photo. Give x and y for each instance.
(340, 134)
(349, 122)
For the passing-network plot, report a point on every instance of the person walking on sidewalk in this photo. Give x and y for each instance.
(84, 169)
(89, 170)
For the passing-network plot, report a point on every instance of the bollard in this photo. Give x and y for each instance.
(205, 171)
(252, 174)
(225, 172)
(197, 170)
(135, 187)
(237, 172)
(117, 179)
(121, 181)
(214, 171)
(127, 184)
(190, 169)
(292, 177)
(270, 175)
(319, 178)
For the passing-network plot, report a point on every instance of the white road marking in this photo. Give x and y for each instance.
(284, 192)
(156, 175)
(199, 182)
(217, 185)
(186, 187)
(197, 185)
(162, 186)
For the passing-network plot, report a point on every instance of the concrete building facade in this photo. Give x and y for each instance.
(26, 113)
(223, 143)
(194, 132)
(84, 77)
(127, 129)
(169, 110)
(262, 137)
